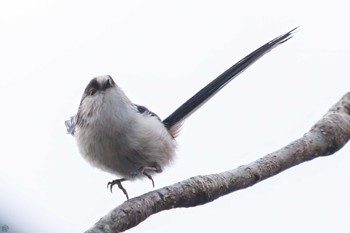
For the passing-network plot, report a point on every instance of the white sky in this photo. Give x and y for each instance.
(161, 53)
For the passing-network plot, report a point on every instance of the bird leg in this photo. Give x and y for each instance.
(145, 171)
(142, 170)
(120, 186)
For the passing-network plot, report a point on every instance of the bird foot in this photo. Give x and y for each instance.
(145, 171)
(120, 186)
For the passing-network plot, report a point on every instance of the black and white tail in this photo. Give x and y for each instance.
(174, 121)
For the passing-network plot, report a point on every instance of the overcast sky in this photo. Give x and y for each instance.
(161, 53)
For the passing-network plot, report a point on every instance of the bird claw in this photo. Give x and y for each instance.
(120, 186)
(141, 170)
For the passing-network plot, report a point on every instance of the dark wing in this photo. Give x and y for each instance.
(143, 110)
(175, 119)
(70, 124)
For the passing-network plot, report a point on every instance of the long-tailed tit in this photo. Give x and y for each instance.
(127, 139)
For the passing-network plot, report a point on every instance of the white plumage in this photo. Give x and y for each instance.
(116, 138)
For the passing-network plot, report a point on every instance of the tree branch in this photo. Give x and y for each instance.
(326, 137)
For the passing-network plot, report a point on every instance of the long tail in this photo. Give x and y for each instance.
(173, 122)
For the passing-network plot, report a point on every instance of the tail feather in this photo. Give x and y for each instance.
(174, 121)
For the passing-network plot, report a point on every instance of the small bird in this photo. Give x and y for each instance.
(129, 140)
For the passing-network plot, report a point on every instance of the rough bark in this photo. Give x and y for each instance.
(326, 137)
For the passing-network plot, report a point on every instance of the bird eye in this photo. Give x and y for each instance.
(106, 84)
(92, 91)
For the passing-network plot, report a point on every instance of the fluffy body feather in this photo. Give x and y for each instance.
(106, 126)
